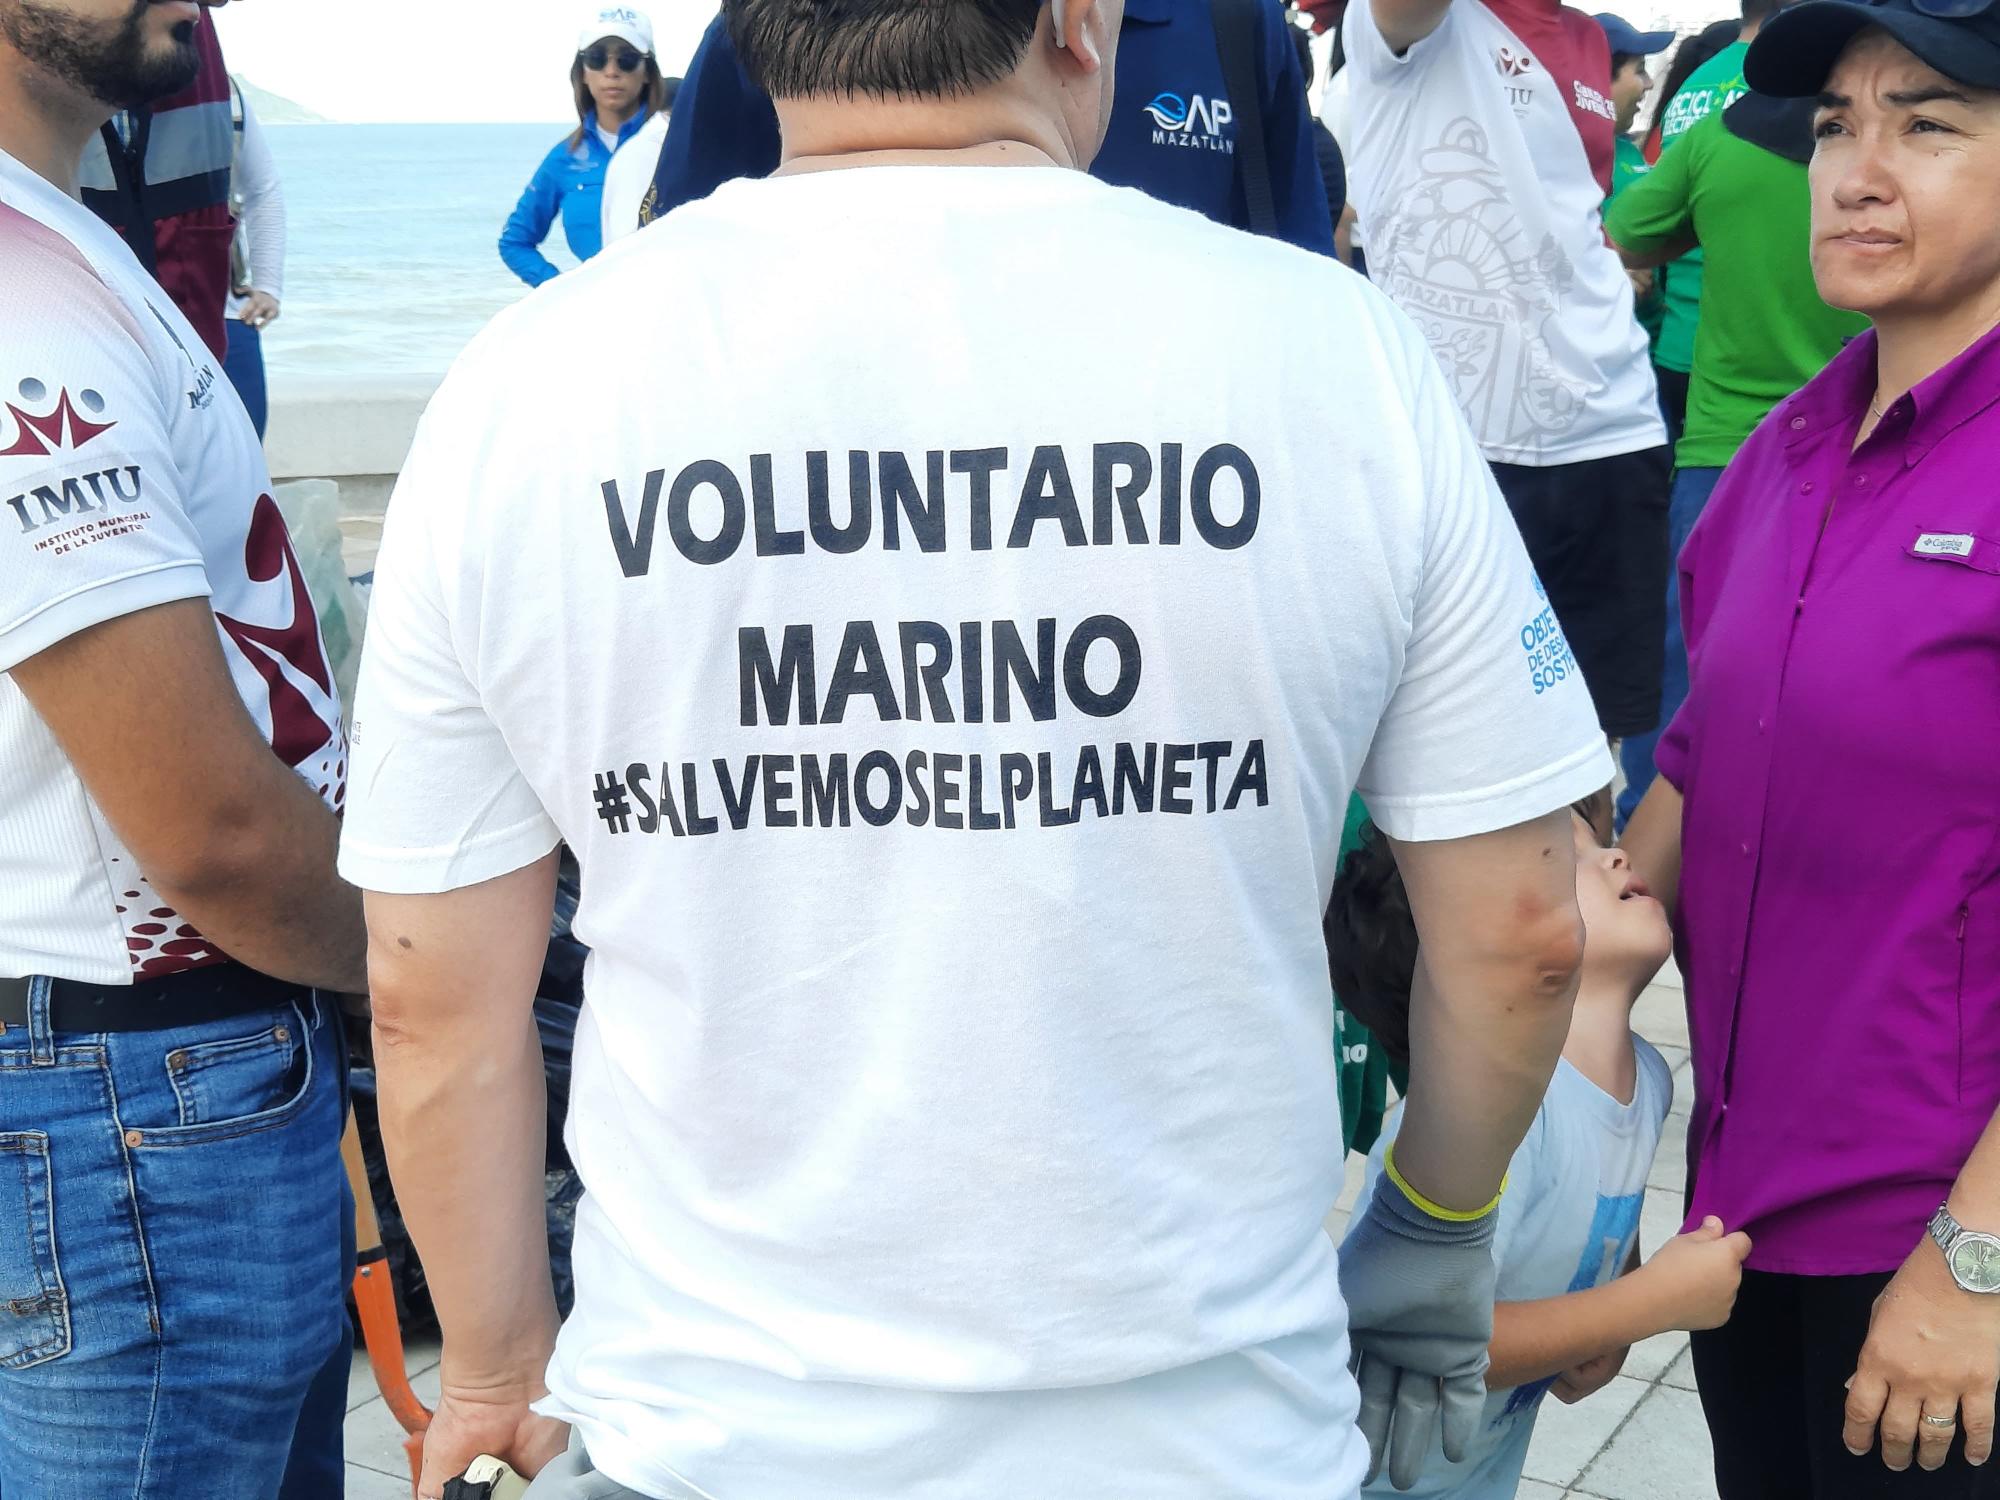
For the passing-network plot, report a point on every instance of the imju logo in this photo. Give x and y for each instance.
(62, 429)
(1193, 123)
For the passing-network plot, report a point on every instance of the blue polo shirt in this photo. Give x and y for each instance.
(1173, 131)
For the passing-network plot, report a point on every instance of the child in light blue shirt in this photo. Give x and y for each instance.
(1566, 1311)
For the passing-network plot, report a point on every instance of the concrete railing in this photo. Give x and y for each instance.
(355, 431)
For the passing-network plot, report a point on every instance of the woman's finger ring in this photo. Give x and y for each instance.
(1931, 1421)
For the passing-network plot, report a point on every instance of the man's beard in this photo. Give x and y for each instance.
(107, 59)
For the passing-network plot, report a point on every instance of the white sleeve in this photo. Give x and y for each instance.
(91, 519)
(1490, 724)
(263, 207)
(628, 177)
(436, 800)
(1369, 57)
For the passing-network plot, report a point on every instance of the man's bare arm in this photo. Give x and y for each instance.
(144, 708)
(464, 1116)
(1404, 23)
(1499, 942)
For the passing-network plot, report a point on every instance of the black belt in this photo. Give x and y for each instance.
(216, 992)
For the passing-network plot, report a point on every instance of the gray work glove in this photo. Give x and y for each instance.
(1419, 1293)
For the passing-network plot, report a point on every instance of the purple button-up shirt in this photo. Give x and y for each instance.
(1840, 756)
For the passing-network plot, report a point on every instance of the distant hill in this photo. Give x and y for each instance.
(274, 109)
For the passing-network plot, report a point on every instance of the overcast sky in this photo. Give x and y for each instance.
(433, 60)
(471, 61)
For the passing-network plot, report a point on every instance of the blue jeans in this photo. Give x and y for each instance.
(244, 365)
(175, 1243)
(1692, 487)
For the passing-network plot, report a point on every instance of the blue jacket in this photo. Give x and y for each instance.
(1172, 132)
(570, 181)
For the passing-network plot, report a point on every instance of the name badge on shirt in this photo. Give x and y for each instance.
(1944, 544)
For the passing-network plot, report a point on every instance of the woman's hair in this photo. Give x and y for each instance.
(1371, 938)
(652, 97)
(1690, 55)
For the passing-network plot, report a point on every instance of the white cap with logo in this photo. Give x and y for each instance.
(621, 21)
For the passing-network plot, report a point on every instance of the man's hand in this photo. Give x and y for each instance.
(497, 1423)
(1933, 1350)
(1419, 1293)
(1590, 1377)
(260, 309)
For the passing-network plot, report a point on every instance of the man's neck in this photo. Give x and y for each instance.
(44, 125)
(1750, 30)
(1599, 1045)
(819, 136)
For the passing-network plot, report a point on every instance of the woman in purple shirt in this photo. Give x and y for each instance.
(1838, 848)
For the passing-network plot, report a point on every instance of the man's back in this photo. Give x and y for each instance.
(865, 659)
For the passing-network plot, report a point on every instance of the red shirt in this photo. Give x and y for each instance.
(1572, 48)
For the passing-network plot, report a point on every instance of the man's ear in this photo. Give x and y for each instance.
(1073, 24)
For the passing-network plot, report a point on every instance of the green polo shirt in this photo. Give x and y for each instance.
(1764, 331)
(1710, 89)
(1365, 1071)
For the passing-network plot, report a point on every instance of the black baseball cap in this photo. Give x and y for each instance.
(1796, 49)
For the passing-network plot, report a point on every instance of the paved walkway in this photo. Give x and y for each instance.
(1640, 1438)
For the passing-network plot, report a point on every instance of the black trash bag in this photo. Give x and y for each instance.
(558, 999)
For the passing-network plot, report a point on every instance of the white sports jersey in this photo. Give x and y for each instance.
(130, 476)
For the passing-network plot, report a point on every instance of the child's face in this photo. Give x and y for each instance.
(1626, 936)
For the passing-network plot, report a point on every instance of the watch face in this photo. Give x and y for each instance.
(1976, 1264)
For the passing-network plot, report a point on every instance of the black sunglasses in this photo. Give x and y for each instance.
(597, 59)
(1947, 10)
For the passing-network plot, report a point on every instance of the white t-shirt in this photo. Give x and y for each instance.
(261, 221)
(1568, 1222)
(1483, 224)
(957, 762)
(630, 175)
(130, 476)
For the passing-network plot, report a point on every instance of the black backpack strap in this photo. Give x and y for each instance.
(1236, 46)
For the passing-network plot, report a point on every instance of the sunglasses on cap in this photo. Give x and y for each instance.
(597, 59)
(1946, 10)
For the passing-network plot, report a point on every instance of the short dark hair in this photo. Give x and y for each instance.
(796, 49)
(1619, 59)
(1761, 10)
(1371, 937)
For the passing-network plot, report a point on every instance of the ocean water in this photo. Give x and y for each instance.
(391, 263)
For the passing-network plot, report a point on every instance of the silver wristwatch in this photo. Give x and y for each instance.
(1974, 1258)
